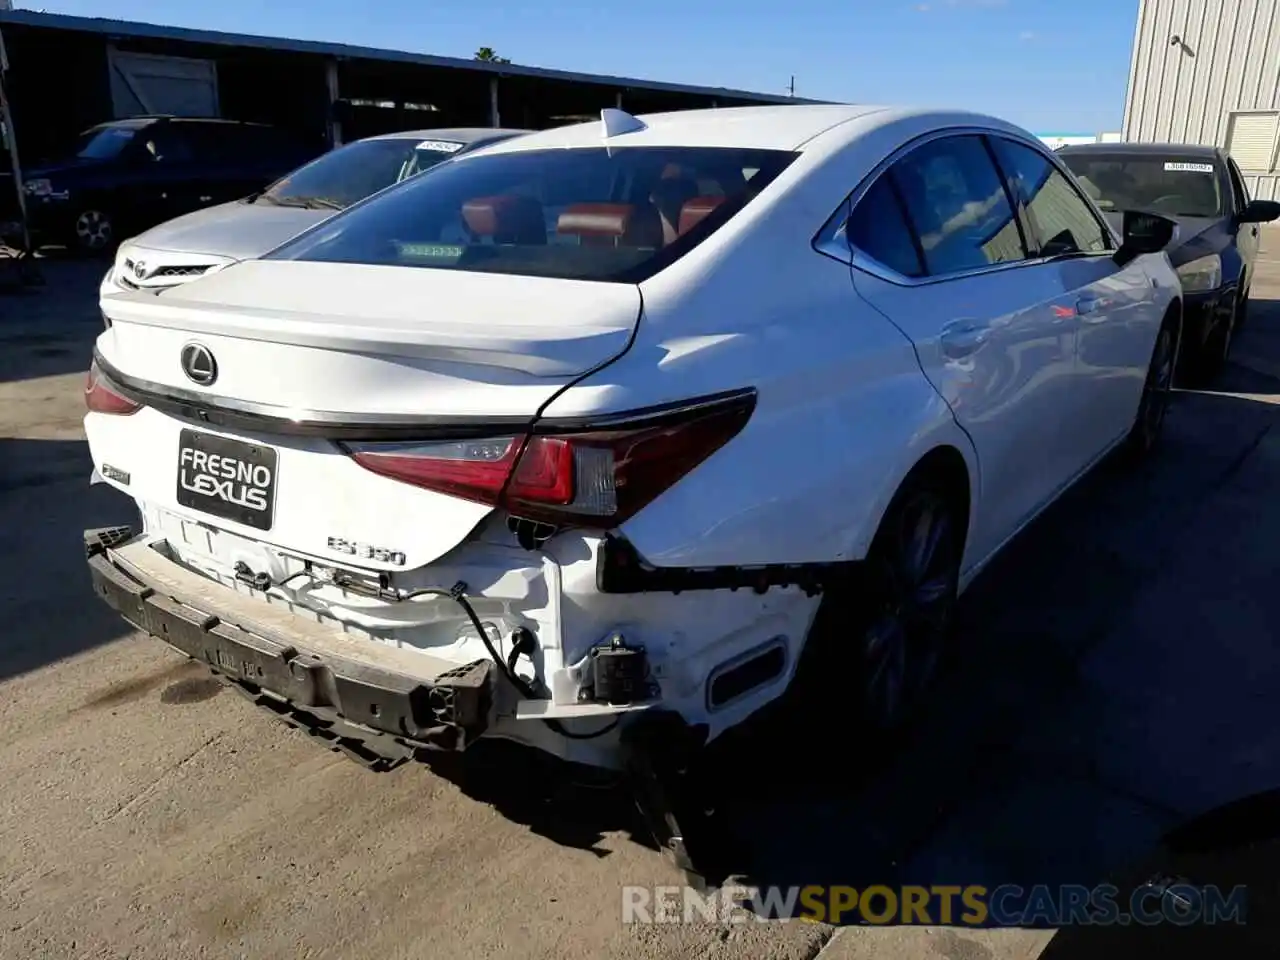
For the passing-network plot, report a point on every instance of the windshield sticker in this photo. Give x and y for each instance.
(1177, 167)
(430, 251)
(440, 146)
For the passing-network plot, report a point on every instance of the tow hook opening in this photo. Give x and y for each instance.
(618, 673)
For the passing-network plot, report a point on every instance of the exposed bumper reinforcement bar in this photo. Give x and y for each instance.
(377, 704)
(321, 678)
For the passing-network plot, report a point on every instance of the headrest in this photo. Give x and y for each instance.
(696, 210)
(508, 218)
(638, 225)
(671, 193)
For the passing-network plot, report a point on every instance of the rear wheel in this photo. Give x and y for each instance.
(885, 637)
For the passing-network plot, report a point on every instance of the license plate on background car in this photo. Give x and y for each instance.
(227, 478)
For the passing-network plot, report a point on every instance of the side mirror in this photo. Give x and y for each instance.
(1143, 233)
(1259, 211)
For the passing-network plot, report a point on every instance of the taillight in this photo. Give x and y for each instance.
(100, 398)
(592, 477)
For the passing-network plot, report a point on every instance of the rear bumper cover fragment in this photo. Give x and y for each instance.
(447, 713)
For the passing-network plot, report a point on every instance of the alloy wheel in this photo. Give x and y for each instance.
(915, 571)
(93, 230)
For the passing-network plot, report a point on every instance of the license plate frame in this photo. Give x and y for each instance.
(229, 497)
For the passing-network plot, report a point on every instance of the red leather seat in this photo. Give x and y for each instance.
(669, 195)
(507, 218)
(612, 224)
(696, 210)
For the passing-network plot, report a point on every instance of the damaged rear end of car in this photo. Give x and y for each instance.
(354, 508)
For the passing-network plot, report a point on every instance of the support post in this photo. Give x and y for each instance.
(331, 85)
(29, 272)
(495, 118)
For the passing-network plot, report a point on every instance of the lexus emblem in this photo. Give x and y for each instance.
(140, 270)
(198, 364)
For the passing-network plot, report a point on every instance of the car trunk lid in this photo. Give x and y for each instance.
(307, 356)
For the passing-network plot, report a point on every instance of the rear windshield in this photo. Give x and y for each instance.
(588, 213)
(351, 173)
(1171, 186)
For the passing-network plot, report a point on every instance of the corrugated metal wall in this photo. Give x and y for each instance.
(1227, 57)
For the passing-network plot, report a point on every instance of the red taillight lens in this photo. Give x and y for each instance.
(100, 398)
(545, 473)
(594, 478)
(471, 469)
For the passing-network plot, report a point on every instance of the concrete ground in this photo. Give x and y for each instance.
(1114, 678)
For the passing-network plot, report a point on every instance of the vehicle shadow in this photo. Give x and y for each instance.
(573, 807)
(1112, 679)
(48, 610)
(48, 330)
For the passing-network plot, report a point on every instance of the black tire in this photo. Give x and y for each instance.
(1242, 307)
(93, 232)
(883, 638)
(1148, 426)
(1217, 348)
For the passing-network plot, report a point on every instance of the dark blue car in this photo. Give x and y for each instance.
(1216, 242)
(127, 175)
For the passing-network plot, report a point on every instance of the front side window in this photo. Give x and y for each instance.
(1060, 220)
(957, 206)
(589, 213)
(168, 145)
(878, 228)
(1238, 188)
(1172, 185)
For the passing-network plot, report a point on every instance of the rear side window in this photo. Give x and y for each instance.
(210, 144)
(957, 205)
(878, 228)
(1060, 220)
(588, 213)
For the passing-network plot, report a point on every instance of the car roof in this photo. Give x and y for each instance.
(138, 122)
(456, 134)
(1144, 149)
(784, 127)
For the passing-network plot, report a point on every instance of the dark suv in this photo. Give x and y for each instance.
(127, 175)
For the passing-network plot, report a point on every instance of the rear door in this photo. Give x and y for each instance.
(223, 157)
(1110, 305)
(940, 252)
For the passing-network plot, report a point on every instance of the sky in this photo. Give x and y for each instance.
(1051, 66)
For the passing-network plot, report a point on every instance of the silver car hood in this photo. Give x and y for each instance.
(237, 230)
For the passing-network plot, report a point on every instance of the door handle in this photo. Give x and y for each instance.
(963, 337)
(1092, 305)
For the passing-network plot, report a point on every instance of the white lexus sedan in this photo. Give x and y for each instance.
(614, 427)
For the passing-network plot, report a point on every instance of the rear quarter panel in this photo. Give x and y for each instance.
(844, 410)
